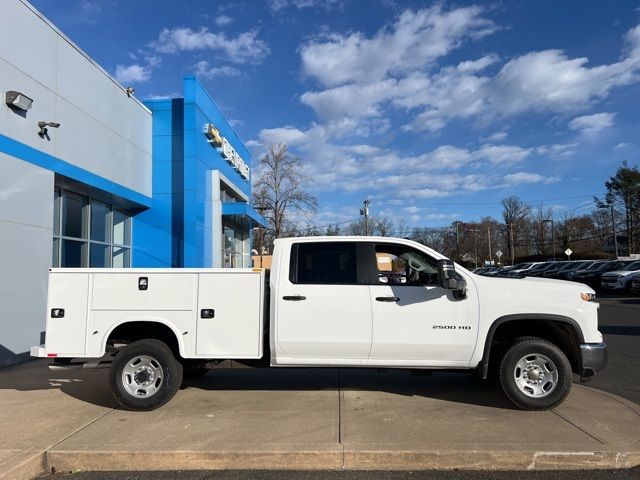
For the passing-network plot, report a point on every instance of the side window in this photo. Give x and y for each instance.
(402, 265)
(324, 263)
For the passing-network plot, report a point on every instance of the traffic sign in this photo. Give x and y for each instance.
(568, 252)
(498, 254)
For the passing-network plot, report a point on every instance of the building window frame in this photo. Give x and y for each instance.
(86, 237)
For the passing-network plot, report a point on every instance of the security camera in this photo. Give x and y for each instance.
(130, 91)
(44, 130)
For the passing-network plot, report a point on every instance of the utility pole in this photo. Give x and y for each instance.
(511, 250)
(457, 222)
(489, 240)
(613, 228)
(613, 224)
(365, 212)
(475, 246)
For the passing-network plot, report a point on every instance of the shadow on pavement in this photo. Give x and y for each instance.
(91, 386)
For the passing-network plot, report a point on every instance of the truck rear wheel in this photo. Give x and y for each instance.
(145, 375)
(535, 374)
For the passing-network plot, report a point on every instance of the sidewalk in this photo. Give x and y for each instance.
(304, 419)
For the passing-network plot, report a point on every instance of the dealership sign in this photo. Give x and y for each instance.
(226, 150)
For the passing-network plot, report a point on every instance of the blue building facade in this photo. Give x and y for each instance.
(201, 215)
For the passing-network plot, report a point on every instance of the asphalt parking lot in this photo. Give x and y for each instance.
(620, 324)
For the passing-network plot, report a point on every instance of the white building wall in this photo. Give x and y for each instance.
(26, 230)
(102, 130)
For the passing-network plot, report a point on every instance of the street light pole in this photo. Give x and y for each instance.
(553, 238)
(613, 224)
(489, 240)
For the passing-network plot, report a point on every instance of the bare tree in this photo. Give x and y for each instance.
(281, 192)
(540, 227)
(517, 217)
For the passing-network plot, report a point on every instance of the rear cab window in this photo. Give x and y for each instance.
(324, 263)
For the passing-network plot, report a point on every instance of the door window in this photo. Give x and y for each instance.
(403, 265)
(324, 263)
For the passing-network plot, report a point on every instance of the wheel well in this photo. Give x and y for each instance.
(560, 333)
(129, 332)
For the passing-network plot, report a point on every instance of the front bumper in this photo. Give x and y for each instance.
(594, 358)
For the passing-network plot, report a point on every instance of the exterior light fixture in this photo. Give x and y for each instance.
(18, 100)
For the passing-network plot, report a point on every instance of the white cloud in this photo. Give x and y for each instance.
(415, 40)
(243, 48)
(496, 137)
(278, 5)
(222, 20)
(135, 73)
(361, 76)
(623, 145)
(592, 124)
(204, 70)
(440, 172)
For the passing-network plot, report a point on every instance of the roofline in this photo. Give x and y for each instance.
(81, 52)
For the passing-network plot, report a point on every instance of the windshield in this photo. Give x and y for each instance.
(520, 266)
(593, 266)
(540, 266)
(633, 266)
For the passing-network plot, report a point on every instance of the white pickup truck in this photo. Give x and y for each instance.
(328, 302)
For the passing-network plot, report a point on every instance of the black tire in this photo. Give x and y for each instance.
(163, 373)
(542, 357)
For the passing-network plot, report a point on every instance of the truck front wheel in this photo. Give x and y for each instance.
(145, 375)
(535, 374)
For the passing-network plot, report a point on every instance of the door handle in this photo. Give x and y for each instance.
(294, 298)
(207, 313)
(388, 299)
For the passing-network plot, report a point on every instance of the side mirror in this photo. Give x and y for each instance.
(449, 279)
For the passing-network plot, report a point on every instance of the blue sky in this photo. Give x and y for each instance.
(434, 110)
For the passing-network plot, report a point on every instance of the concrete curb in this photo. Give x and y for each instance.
(25, 465)
(347, 460)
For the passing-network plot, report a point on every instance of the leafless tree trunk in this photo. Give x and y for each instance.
(281, 192)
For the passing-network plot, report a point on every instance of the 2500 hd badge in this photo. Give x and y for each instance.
(451, 327)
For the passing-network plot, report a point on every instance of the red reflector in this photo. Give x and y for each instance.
(52, 354)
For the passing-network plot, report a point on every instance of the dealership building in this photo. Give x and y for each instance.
(92, 177)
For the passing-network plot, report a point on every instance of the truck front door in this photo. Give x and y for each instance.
(414, 319)
(323, 306)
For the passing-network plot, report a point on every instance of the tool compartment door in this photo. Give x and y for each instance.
(66, 334)
(229, 315)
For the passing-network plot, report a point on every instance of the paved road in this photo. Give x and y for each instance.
(358, 475)
(620, 325)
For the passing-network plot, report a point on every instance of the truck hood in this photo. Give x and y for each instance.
(533, 287)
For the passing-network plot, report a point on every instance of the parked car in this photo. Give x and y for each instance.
(538, 270)
(485, 270)
(522, 268)
(557, 272)
(635, 283)
(620, 280)
(592, 277)
(500, 271)
(329, 302)
(572, 272)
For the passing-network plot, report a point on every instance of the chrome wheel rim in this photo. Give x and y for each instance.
(536, 375)
(142, 376)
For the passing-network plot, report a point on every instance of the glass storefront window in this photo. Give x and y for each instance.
(100, 221)
(89, 233)
(233, 244)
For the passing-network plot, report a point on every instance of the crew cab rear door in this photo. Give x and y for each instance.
(323, 305)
